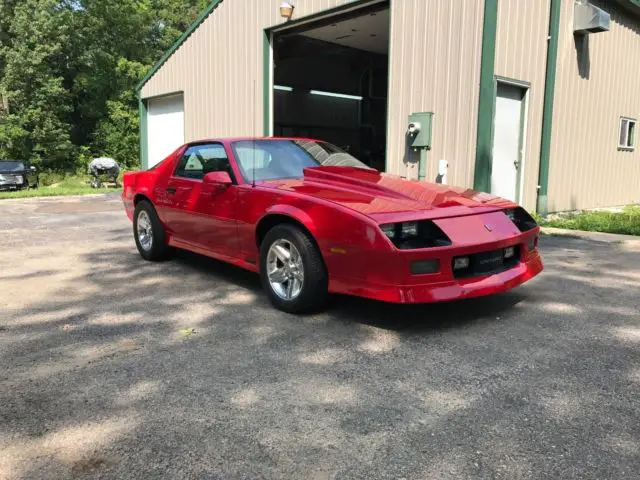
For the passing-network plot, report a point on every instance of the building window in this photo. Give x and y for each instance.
(627, 139)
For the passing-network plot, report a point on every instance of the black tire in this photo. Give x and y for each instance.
(314, 291)
(158, 250)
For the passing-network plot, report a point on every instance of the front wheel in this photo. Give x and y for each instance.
(292, 271)
(149, 232)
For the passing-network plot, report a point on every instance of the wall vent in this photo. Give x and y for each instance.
(588, 18)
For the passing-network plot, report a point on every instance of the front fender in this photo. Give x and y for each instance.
(295, 213)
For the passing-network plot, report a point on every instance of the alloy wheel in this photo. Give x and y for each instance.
(145, 231)
(285, 269)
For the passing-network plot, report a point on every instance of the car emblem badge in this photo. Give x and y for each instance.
(488, 227)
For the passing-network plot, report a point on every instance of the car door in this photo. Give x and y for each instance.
(202, 216)
(30, 174)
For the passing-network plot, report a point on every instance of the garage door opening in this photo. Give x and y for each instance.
(330, 81)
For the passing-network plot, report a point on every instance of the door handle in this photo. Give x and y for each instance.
(171, 190)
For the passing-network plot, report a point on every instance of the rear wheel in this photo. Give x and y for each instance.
(292, 271)
(149, 233)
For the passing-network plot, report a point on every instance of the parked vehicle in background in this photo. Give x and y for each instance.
(312, 219)
(16, 175)
(104, 170)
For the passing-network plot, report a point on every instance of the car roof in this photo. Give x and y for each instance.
(249, 138)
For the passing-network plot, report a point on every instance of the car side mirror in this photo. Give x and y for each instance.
(219, 180)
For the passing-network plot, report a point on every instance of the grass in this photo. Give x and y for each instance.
(57, 186)
(626, 222)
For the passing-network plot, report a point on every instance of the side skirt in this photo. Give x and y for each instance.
(238, 262)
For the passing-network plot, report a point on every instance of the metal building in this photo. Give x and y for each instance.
(533, 100)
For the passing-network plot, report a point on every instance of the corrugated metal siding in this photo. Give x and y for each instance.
(435, 66)
(521, 54)
(219, 67)
(586, 169)
(435, 58)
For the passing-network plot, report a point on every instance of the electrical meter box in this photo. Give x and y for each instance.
(419, 130)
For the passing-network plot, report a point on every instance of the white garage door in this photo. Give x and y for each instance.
(165, 126)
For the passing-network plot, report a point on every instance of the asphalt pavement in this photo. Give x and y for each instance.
(112, 367)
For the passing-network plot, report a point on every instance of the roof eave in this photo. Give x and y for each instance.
(631, 6)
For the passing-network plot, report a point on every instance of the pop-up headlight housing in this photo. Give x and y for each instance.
(414, 235)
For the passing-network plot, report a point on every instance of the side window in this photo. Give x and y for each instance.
(199, 160)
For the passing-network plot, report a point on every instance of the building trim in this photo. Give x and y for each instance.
(522, 142)
(267, 92)
(387, 130)
(144, 136)
(513, 81)
(486, 98)
(329, 12)
(178, 43)
(631, 6)
(547, 111)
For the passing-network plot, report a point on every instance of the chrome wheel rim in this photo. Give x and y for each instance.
(285, 270)
(145, 231)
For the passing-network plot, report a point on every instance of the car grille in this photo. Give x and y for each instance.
(11, 179)
(488, 263)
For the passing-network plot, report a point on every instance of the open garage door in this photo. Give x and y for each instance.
(330, 81)
(165, 126)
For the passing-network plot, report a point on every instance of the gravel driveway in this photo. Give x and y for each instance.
(101, 378)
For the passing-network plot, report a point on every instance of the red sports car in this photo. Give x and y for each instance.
(311, 219)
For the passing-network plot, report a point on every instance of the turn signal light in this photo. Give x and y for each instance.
(422, 267)
(460, 263)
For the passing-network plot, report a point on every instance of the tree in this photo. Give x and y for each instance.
(36, 127)
(162, 21)
(68, 71)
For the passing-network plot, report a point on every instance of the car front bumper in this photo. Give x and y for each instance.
(456, 289)
(10, 181)
(11, 186)
(389, 276)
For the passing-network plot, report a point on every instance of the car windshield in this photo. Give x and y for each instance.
(11, 166)
(279, 159)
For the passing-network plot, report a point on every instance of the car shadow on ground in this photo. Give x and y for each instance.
(416, 318)
(423, 318)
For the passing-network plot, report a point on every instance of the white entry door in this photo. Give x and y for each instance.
(165, 127)
(508, 141)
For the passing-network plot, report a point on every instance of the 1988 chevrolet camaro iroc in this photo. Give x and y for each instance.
(311, 219)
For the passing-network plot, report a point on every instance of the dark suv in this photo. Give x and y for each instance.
(16, 175)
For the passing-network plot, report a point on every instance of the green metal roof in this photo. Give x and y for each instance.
(632, 6)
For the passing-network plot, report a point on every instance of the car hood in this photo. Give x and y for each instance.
(386, 197)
